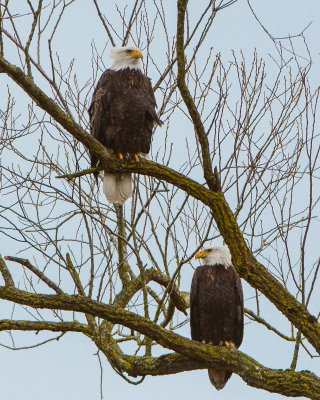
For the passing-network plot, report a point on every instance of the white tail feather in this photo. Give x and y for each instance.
(124, 187)
(117, 187)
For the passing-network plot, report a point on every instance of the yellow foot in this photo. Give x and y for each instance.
(120, 155)
(136, 157)
(229, 344)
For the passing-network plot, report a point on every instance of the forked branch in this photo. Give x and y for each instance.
(248, 267)
(289, 383)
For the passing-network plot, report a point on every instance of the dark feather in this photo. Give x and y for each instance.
(216, 307)
(122, 112)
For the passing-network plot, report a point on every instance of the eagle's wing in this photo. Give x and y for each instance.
(98, 110)
(194, 311)
(152, 104)
(239, 308)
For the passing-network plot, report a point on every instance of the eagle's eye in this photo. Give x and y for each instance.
(129, 51)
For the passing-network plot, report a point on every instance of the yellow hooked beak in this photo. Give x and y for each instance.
(137, 54)
(201, 254)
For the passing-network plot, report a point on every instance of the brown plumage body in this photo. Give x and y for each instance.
(122, 112)
(122, 117)
(216, 306)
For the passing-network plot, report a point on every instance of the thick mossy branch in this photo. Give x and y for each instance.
(248, 268)
(106, 343)
(285, 382)
(289, 383)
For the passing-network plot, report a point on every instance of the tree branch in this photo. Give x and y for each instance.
(26, 263)
(286, 382)
(289, 383)
(5, 273)
(247, 266)
(75, 276)
(188, 100)
(123, 297)
(262, 321)
(9, 325)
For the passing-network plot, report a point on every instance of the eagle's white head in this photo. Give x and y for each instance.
(214, 255)
(126, 57)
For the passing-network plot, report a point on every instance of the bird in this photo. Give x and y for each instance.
(216, 305)
(123, 116)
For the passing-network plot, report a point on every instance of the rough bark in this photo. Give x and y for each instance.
(247, 266)
(192, 355)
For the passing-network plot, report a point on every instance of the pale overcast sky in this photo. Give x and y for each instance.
(69, 368)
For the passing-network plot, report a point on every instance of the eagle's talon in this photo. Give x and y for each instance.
(136, 157)
(120, 155)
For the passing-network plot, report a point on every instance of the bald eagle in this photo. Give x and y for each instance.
(122, 116)
(216, 305)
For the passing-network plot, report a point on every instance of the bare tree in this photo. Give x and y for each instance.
(247, 174)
